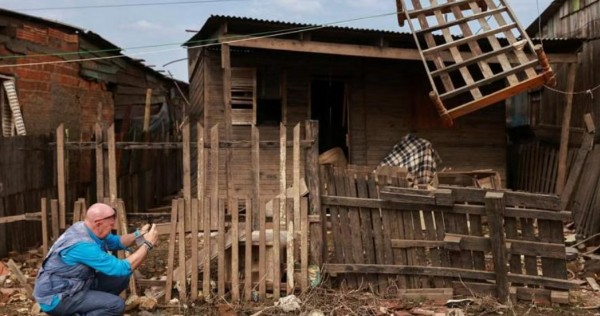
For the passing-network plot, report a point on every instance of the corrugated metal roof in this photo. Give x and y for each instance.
(560, 45)
(86, 34)
(214, 21)
(552, 9)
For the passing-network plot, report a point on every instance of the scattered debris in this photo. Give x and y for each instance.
(289, 303)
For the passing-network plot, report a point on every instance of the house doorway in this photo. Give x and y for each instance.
(328, 106)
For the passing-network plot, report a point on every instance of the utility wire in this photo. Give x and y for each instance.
(123, 5)
(202, 43)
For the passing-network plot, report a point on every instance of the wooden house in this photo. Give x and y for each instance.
(366, 88)
(565, 21)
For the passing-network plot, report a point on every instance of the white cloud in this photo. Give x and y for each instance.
(143, 26)
(300, 6)
(369, 4)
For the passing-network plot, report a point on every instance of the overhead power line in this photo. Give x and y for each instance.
(192, 44)
(124, 5)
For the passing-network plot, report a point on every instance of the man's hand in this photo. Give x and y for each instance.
(152, 235)
(145, 229)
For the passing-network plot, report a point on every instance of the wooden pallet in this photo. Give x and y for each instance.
(491, 57)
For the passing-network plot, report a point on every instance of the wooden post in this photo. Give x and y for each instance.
(76, 212)
(564, 135)
(262, 250)
(207, 250)
(248, 251)
(318, 252)
(99, 112)
(61, 182)
(235, 249)
(44, 208)
(304, 244)
(194, 246)
(214, 165)
(255, 136)
(187, 177)
(122, 220)
(279, 209)
(494, 206)
(112, 165)
(294, 222)
(221, 249)
(99, 162)
(55, 219)
(277, 248)
(181, 243)
(147, 110)
(171, 255)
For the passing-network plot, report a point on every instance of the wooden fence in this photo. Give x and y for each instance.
(26, 174)
(273, 232)
(264, 237)
(392, 238)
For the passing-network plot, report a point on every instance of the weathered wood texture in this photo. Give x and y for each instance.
(275, 240)
(428, 239)
(382, 107)
(535, 167)
(572, 20)
(26, 175)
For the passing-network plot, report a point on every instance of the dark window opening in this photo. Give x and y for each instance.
(268, 112)
(328, 107)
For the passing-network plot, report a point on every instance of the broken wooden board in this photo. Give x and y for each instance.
(213, 253)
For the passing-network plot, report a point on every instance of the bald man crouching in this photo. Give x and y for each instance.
(79, 276)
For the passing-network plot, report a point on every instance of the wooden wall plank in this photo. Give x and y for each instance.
(382, 239)
(346, 230)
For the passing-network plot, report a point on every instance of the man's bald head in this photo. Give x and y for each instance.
(99, 211)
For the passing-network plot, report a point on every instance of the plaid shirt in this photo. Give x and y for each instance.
(417, 155)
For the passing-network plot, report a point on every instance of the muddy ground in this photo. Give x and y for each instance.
(323, 300)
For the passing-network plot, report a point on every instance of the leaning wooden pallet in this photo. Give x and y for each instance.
(492, 58)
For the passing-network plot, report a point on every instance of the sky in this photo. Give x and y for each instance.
(163, 27)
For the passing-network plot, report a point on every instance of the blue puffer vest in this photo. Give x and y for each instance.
(57, 278)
